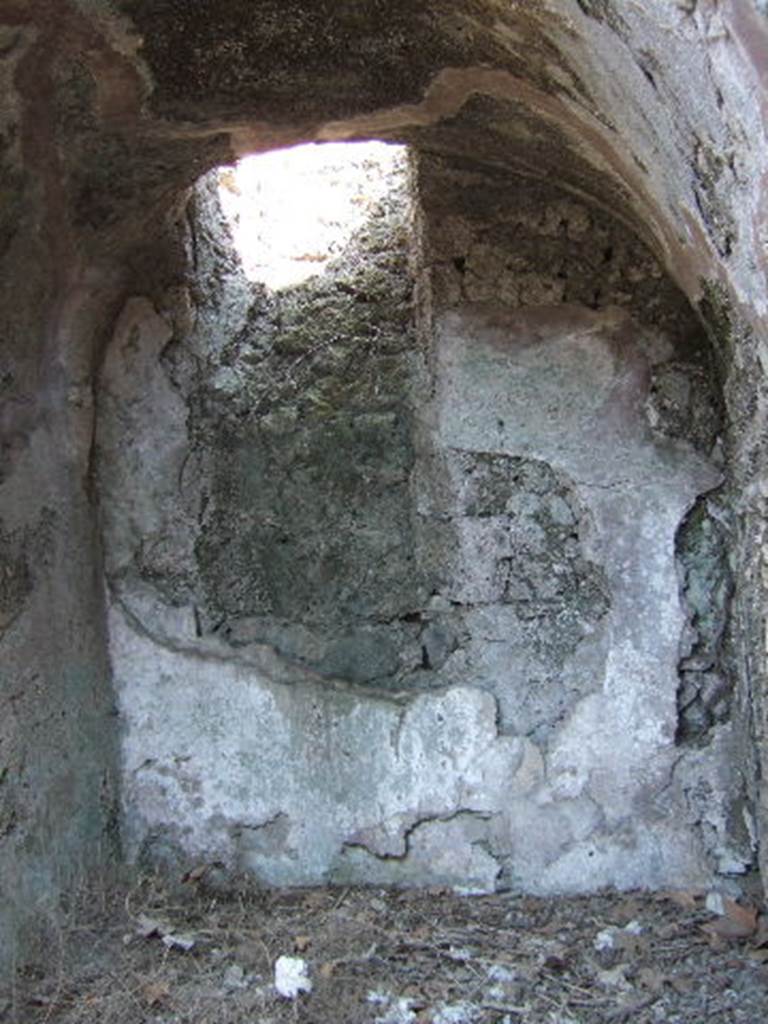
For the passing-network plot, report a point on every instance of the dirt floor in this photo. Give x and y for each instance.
(185, 954)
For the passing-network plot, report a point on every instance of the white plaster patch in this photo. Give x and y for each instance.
(278, 779)
(565, 386)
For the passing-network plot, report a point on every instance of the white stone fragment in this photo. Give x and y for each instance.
(173, 941)
(399, 1012)
(460, 953)
(235, 978)
(606, 939)
(498, 972)
(292, 976)
(378, 998)
(714, 903)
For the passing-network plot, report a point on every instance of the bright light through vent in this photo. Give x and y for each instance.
(293, 210)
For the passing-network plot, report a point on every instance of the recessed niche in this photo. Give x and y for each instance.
(405, 582)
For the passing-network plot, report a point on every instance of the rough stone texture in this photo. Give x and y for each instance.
(320, 501)
(492, 237)
(706, 676)
(257, 467)
(58, 809)
(111, 108)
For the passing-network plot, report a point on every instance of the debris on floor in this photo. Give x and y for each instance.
(184, 954)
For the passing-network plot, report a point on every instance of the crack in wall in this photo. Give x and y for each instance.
(407, 832)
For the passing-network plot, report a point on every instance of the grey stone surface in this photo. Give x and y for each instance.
(706, 676)
(653, 113)
(508, 541)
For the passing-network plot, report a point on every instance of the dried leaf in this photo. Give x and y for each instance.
(737, 922)
(716, 941)
(556, 964)
(416, 998)
(635, 945)
(761, 935)
(326, 970)
(155, 992)
(553, 927)
(686, 899)
(315, 899)
(301, 943)
(682, 983)
(627, 910)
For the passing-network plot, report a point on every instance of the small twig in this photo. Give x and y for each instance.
(340, 900)
(118, 982)
(548, 999)
(369, 954)
(505, 1008)
(560, 980)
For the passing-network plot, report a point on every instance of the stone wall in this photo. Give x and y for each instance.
(58, 771)
(652, 113)
(401, 582)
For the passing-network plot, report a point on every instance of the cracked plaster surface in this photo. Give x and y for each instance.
(666, 82)
(628, 663)
(306, 781)
(212, 748)
(303, 784)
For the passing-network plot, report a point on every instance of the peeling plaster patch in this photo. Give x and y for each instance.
(643, 858)
(253, 746)
(709, 778)
(452, 851)
(566, 386)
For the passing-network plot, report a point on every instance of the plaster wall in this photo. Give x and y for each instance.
(655, 112)
(420, 623)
